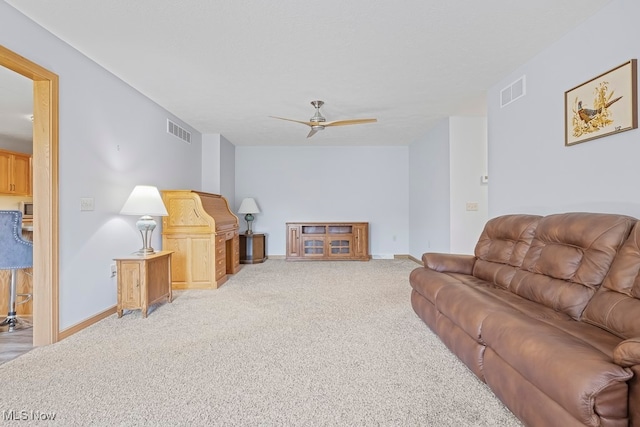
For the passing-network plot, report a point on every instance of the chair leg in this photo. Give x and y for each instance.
(12, 319)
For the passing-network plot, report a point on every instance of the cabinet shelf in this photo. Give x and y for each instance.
(327, 241)
(313, 229)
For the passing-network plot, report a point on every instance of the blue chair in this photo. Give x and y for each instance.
(15, 253)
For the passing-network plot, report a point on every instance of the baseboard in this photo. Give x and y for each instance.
(409, 257)
(86, 323)
(396, 256)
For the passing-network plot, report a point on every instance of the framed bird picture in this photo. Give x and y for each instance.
(604, 105)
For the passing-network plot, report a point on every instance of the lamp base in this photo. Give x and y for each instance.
(145, 251)
(249, 218)
(146, 224)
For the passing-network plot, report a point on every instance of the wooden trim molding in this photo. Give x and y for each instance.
(397, 256)
(87, 322)
(45, 195)
(409, 257)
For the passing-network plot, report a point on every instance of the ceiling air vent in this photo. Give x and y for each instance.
(178, 131)
(512, 92)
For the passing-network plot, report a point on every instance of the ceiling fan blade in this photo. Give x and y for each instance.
(297, 121)
(312, 132)
(349, 122)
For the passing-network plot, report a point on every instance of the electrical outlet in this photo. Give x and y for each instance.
(86, 203)
(114, 270)
(472, 206)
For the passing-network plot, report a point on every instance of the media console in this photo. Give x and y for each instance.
(327, 241)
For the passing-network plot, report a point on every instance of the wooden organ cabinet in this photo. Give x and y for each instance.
(202, 232)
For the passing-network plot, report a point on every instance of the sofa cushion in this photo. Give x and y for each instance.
(568, 259)
(471, 301)
(616, 305)
(547, 357)
(428, 282)
(502, 246)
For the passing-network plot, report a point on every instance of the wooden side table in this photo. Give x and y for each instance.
(252, 248)
(143, 281)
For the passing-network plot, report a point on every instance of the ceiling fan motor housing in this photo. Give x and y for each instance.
(317, 117)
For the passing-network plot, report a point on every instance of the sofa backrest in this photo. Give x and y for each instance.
(569, 258)
(502, 246)
(616, 305)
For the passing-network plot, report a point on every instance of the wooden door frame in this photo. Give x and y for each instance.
(45, 195)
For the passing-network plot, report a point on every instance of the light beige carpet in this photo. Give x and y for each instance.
(281, 343)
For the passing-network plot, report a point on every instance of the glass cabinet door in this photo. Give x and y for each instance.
(340, 246)
(312, 246)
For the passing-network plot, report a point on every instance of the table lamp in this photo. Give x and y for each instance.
(248, 207)
(145, 200)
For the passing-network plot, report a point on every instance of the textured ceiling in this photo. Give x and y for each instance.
(224, 66)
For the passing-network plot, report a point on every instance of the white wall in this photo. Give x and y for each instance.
(429, 189)
(228, 171)
(530, 169)
(445, 167)
(314, 183)
(12, 203)
(468, 162)
(211, 163)
(218, 166)
(15, 144)
(111, 139)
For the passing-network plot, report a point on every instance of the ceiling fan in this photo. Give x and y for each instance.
(318, 122)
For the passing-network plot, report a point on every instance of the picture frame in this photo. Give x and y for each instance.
(602, 106)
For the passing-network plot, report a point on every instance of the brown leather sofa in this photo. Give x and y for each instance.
(547, 314)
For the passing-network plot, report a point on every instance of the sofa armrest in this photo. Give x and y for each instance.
(627, 353)
(452, 263)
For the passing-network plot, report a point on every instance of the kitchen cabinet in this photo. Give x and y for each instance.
(15, 173)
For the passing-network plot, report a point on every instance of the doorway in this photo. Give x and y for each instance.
(45, 195)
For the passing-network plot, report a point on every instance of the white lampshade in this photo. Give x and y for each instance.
(144, 200)
(248, 206)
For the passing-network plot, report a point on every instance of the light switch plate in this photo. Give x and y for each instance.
(86, 203)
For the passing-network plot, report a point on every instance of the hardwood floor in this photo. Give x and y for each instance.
(14, 343)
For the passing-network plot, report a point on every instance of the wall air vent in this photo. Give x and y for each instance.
(178, 131)
(514, 91)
